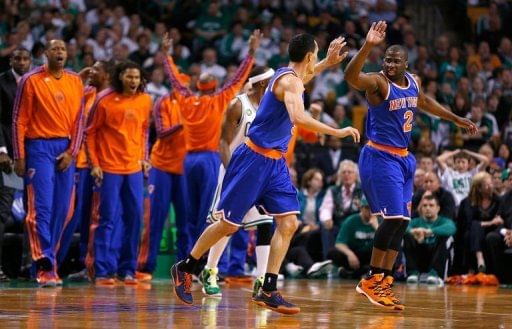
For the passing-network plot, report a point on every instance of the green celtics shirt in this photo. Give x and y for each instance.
(356, 234)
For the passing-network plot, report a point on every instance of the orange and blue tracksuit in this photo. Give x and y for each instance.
(116, 141)
(83, 186)
(47, 121)
(166, 184)
(202, 120)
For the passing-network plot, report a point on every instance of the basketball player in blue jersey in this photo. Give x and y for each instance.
(257, 173)
(386, 167)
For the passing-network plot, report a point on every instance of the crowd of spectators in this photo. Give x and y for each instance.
(463, 184)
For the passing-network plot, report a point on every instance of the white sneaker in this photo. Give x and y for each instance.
(293, 269)
(413, 279)
(434, 280)
(320, 268)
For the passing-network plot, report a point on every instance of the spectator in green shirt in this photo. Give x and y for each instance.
(425, 242)
(354, 243)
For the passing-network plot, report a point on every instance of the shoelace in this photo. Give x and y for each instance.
(386, 287)
(188, 282)
(378, 290)
(279, 298)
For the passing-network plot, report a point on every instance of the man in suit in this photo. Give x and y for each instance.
(329, 158)
(20, 62)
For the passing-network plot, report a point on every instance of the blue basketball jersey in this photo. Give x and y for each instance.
(390, 122)
(272, 127)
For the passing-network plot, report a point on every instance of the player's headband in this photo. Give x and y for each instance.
(212, 84)
(260, 77)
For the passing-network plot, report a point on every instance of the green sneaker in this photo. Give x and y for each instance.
(258, 283)
(208, 279)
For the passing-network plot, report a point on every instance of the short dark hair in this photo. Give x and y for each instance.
(300, 45)
(461, 155)
(116, 83)
(430, 197)
(22, 49)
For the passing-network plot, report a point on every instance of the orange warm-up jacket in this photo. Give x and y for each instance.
(307, 136)
(89, 98)
(169, 150)
(117, 132)
(46, 107)
(202, 115)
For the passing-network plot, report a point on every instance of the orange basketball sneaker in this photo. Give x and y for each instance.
(372, 289)
(386, 284)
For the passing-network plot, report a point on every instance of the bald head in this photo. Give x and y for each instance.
(398, 49)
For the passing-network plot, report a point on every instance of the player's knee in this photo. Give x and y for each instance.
(264, 234)
(386, 233)
(396, 242)
(227, 228)
(287, 225)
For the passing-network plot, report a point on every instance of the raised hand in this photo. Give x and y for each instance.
(377, 33)
(254, 41)
(467, 125)
(334, 54)
(167, 43)
(349, 131)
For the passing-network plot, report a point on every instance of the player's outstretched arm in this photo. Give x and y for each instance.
(292, 89)
(334, 56)
(353, 75)
(430, 105)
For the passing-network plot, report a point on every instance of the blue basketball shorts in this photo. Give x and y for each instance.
(387, 182)
(254, 179)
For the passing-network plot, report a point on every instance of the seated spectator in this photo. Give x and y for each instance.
(458, 179)
(354, 243)
(340, 201)
(484, 125)
(499, 242)
(478, 216)
(431, 184)
(419, 178)
(311, 197)
(425, 243)
(329, 158)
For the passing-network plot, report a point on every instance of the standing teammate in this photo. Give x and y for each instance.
(257, 173)
(98, 80)
(47, 131)
(202, 119)
(386, 167)
(239, 117)
(20, 62)
(117, 137)
(166, 184)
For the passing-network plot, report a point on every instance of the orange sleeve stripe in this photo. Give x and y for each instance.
(19, 136)
(172, 72)
(161, 130)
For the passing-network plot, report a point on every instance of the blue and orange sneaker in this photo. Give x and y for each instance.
(275, 302)
(182, 284)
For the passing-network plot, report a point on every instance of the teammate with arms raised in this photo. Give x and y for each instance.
(386, 167)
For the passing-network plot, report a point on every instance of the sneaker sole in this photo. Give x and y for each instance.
(389, 307)
(282, 310)
(180, 300)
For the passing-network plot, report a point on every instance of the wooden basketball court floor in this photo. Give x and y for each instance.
(325, 304)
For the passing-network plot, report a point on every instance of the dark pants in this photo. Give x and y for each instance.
(498, 263)
(422, 257)
(328, 239)
(341, 260)
(6, 199)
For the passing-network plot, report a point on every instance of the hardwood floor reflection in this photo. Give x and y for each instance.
(325, 304)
